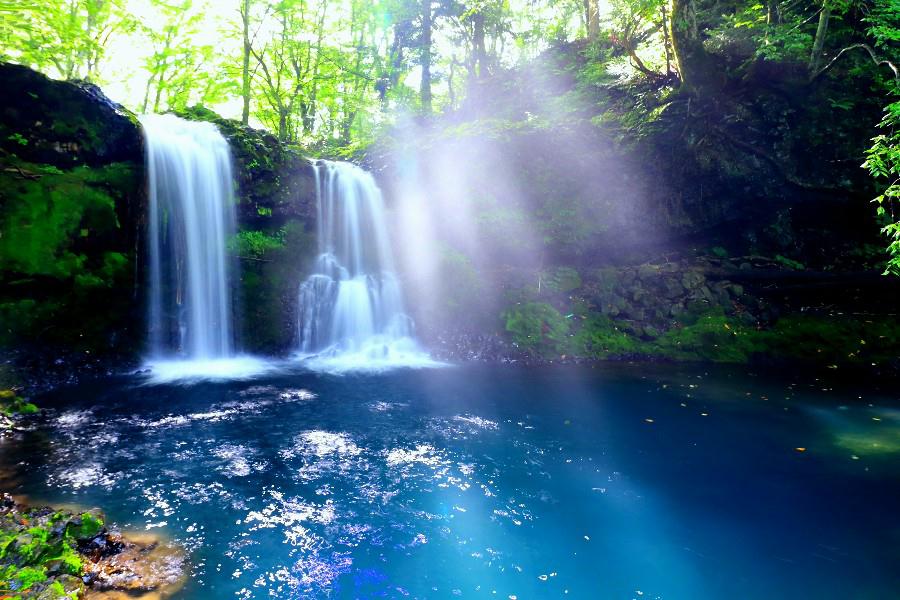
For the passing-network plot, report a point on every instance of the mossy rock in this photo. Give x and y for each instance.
(64, 124)
(71, 209)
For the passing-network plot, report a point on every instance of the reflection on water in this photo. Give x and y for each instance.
(478, 482)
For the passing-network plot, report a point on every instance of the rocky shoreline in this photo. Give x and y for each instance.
(49, 554)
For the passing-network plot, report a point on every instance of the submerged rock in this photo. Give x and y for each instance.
(135, 565)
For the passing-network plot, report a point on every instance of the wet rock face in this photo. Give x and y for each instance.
(650, 297)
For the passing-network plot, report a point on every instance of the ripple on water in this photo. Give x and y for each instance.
(86, 475)
(238, 460)
(324, 453)
(304, 526)
(229, 410)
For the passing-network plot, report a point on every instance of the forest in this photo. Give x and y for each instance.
(440, 298)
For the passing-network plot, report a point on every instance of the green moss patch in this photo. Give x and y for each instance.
(11, 404)
(63, 251)
(38, 551)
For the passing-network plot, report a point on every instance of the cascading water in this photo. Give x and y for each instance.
(351, 307)
(191, 217)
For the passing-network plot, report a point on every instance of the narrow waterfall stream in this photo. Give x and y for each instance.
(351, 308)
(191, 218)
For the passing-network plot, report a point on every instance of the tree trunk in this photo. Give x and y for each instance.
(593, 19)
(147, 93)
(282, 125)
(245, 66)
(478, 46)
(695, 66)
(159, 89)
(666, 41)
(425, 85)
(773, 13)
(815, 58)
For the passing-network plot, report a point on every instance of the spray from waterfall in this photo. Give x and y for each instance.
(351, 312)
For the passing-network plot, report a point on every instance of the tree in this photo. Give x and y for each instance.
(883, 158)
(426, 56)
(246, 51)
(592, 18)
(694, 64)
(179, 71)
(68, 38)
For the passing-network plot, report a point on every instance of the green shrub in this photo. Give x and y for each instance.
(600, 338)
(255, 244)
(713, 337)
(537, 327)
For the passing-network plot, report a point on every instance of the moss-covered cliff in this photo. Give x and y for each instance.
(71, 210)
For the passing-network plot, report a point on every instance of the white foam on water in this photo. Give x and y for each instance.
(377, 355)
(218, 369)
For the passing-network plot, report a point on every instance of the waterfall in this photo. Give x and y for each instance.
(351, 312)
(191, 217)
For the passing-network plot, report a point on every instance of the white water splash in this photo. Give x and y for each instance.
(351, 309)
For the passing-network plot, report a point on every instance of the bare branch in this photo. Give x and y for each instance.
(867, 48)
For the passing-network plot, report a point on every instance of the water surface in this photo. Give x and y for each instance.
(500, 482)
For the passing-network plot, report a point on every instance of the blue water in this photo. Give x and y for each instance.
(490, 482)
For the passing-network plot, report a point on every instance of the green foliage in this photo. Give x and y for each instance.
(325, 73)
(883, 158)
(84, 527)
(11, 404)
(265, 283)
(35, 545)
(28, 576)
(788, 262)
(68, 39)
(52, 241)
(255, 244)
(883, 162)
(18, 138)
(713, 337)
(39, 230)
(599, 337)
(537, 327)
(461, 284)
